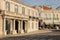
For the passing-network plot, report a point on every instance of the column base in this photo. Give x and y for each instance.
(19, 31)
(26, 31)
(22, 31)
(13, 32)
(5, 32)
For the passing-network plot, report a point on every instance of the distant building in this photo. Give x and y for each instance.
(50, 17)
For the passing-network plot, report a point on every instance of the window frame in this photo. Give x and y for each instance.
(23, 10)
(16, 8)
(7, 6)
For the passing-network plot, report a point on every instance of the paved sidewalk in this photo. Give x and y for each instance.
(30, 33)
(46, 34)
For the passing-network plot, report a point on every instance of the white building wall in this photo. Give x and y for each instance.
(33, 27)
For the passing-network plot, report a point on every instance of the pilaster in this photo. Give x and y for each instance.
(14, 31)
(22, 31)
(19, 27)
(5, 31)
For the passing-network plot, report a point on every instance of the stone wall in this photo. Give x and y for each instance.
(1, 25)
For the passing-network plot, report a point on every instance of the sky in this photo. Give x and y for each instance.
(50, 3)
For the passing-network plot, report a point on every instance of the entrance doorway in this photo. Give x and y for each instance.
(16, 26)
(24, 26)
(39, 25)
(8, 26)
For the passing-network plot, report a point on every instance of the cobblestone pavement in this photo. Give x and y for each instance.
(55, 35)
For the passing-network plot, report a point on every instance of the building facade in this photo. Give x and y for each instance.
(16, 17)
(50, 17)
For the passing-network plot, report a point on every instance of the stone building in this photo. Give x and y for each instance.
(17, 17)
(50, 17)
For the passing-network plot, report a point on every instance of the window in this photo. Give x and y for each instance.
(7, 6)
(23, 10)
(54, 17)
(36, 25)
(33, 13)
(57, 17)
(36, 14)
(16, 8)
(38, 9)
(7, 24)
(39, 14)
(32, 25)
(45, 16)
(50, 16)
(28, 12)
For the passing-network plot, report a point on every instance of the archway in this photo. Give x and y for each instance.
(16, 26)
(39, 25)
(8, 26)
(24, 26)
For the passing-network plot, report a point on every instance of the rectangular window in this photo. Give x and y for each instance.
(28, 12)
(36, 14)
(7, 24)
(7, 6)
(33, 13)
(39, 14)
(54, 17)
(50, 16)
(23, 10)
(57, 17)
(16, 8)
(32, 25)
(36, 25)
(45, 16)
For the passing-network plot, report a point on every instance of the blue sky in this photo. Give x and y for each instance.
(50, 3)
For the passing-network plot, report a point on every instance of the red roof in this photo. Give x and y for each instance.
(33, 6)
(43, 7)
(46, 8)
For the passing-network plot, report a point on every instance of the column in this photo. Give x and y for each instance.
(22, 31)
(19, 27)
(14, 31)
(5, 32)
(11, 26)
(37, 25)
(26, 26)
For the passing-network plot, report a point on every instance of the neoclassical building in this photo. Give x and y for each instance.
(16, 17)
(50, 17)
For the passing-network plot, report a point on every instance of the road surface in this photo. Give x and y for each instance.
(54, 35)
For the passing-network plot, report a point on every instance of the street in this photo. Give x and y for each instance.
(54, 35)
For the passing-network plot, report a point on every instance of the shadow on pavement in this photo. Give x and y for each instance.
(55, 30)
(33, 37)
